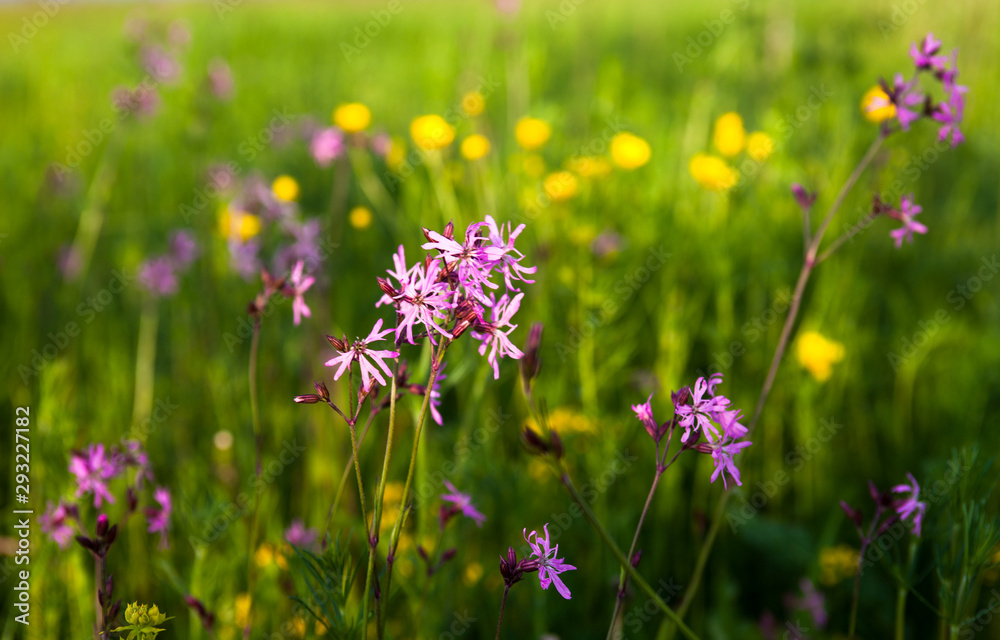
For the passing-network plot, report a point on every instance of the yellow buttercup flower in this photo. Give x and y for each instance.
(629, 151)
(837, 564)
(360, 217)
(589, 166)
(475, 147)
(431, 132)
(242, 610)
(818, 355)
(532, 133)
(473, 572)
(729, 135)
(236, 223)
(760, 146)
(352, 117)
(712, 172)
(875, 105)
(560, 186)
(285, 188)
(473, 103)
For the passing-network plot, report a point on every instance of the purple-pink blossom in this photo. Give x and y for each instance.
(549, 566)
(425, 300)
(436, 394)
(463, 502)
(158, 276)
(360, 350)
(158, 518)
(299, 535)
(327, 145)
(56, 522)
(906, 214)
(722, 452)
(492, 335)
(704, 404)
(93, 468)
(924, 56)
(299, 285)
(909, 507)
(644, 412)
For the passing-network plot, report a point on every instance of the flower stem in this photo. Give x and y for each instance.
(100, 569)
(622, 578)
(900, 613)
(258, 443)
(347, 472)
(786, 331)
(503, 603)
(622, 560)
(397, 528)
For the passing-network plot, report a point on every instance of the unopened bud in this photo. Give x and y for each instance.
(449, 230)
(530, 363)
(557, 445)
(321, 390)
(448, 554)
(636, 557)
(102, 525)
(803, 197)
(534, 441)
(338, 343)
(309, 398)
(387, 288)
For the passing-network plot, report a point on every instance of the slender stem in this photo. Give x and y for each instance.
(865, 541)
(900, 613)
(503, 603)
(635, 539)
(622, 560)
(347, 472)
(258, 444)
(806, 229)
(397, 528)
(100, 568)
(847, 235)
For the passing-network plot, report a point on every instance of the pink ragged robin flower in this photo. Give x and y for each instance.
(299, 284)
(436, 395)
(93, 469)
(468, 260)
(908, 210)
(492, 335)
(704, 404)
(56, 522)
(644, 412)
(549, 566)
(504, 257)
(910, 508)
(158, 518)
(327, 145)
(463, 502)
(925, 55)
(299, 535)
(360, 350)
(425, 300)
(722, 452)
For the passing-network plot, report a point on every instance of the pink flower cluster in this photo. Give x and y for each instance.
(159, 274)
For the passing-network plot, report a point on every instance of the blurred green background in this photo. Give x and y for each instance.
(578, 66)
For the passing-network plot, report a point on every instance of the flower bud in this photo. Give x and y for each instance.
(387, 288)
(852, 514)
(530, 363)
(681, 397)
(556, 445)
(338, 343)
(448, 554)
(449, 230)
(115, 608)
(803, 197)
(102, 525)
(534, 441)
(309, 398)
(112, 534)
(635, 559)
(322, 391)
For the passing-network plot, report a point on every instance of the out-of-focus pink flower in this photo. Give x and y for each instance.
(55, 522)
(299, 535)
(327, 145)
(142, 101)
(910, 507)
(299, 285)
(158, 518)
(463, 502)
(906, 214)
(160, 64)
(381, 144)
(157, 275)
(93, 468)
(220, 79)
(924, 56)
(183, 248)
(811, 601)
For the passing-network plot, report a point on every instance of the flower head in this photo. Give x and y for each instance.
(503, 256)
(285, 188)
(560, 186)
(549, 566)
(424, 299)
(158, 276)
(327, 145)
(299, 285)
(158, 518)
(360, 350)
(55, 522)
(812, 602)
(722, 452)
(644, 412)
(712, 172)
(299, 535)
(729, 135)
(924, 56)
(473, 103)
(760, 146)
(532, 133)
(818, 354)
(352, 117)
(492, 335)
(463, 502)
(906, 214)
(431, 132)
(475, 146)
(876, 105)
(629, 151)
(909, 507)
(950, 114)
(704, 406)
(93, 468)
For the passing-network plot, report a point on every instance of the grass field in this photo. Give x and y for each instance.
(646, 281)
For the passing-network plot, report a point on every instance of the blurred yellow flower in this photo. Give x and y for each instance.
(531, 133)
(729, 135)
(538, 469)
(242, 614)
(473, 572)
(360, 217)
(712, 172)
(629, 151)
(533, 165)
(560, 186)
(352, 117)
(473, 103)
(818, 355)
(565, 420)
(760, 146)
(837, 563)
(582, 234)
(875, 105)
(299, 627)
(397, 153)
(475, 147)
(431, 132)
(236, 223)
(267, 555)
(285, 188)
(589, 166)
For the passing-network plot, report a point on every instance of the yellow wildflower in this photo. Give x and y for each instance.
(475, 147)
(473, 572)
(560, 186)
(532, 133)
(729, 135)
(837, 563)
(242, 610)
(431, 132)
(875, 105)
(818, 355)
(285, 188)
(397, 153)
(352, 117)
(629, 151)
(712, 172)
(360, 217)
(236, 223)
(473, 103)
(760, 146)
